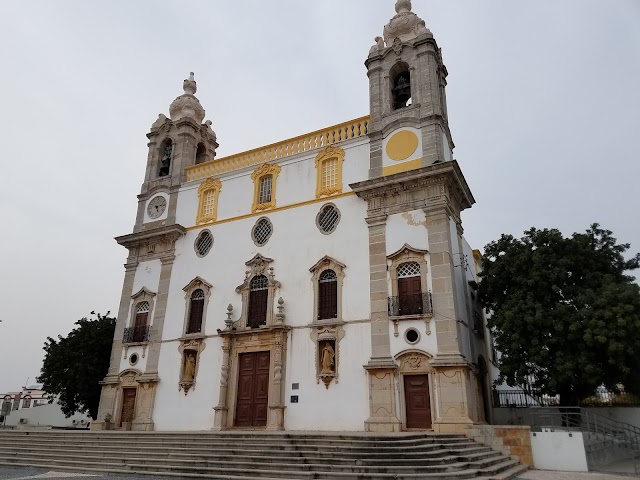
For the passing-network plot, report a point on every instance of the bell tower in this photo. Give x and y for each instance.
(407, 81)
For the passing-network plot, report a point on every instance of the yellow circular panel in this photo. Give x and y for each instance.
(402, 145)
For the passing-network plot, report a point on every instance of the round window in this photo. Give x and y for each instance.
(412, 335)
(203, 243)
(262, 231)
(133, 359)
(328, 218)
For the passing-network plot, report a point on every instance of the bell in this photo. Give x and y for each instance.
(402, 90)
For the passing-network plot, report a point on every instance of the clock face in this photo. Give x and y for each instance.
(157, 206)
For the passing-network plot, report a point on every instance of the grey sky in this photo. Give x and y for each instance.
(544, 105)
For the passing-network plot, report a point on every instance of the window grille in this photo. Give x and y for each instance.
(266, 183)
(328, 218)
(262, 231)
(330, 173)
(209, 203)
(204, 242)
(196, 311)
(258, 298)
(410, 269)
(328, 295)
(143, 307)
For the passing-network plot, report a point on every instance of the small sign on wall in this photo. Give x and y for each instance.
(294, 398)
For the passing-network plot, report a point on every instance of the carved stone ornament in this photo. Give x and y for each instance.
(258, 265)
(190, 352)
(187, 105)
(378, 46)
(414, 362)
(405, 25)
(158, 243)
(327, 341)
(162, 119)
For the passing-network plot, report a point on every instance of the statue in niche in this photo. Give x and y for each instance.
(165, 162)
(189, 372)
(327, 359)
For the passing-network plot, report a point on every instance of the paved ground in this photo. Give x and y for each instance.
(37, 474)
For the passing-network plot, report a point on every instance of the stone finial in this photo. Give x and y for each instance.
(228, 321)
(187, 105)
(405, 25)
(280, 315)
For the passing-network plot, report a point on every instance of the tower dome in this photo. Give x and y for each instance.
(187, 105)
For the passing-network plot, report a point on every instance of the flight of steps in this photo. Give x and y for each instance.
(259, 455)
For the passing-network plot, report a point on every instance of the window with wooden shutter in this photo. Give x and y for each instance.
(258, 297)
(196, 310)
(327, 295)
(409, 289)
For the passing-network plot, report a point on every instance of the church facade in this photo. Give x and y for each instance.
(318, 283)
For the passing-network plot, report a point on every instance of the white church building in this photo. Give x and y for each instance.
(319, 283)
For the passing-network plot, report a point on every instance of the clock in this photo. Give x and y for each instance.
(156, 206)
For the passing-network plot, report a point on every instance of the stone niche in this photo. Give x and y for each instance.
(327, 342)
(190, 352)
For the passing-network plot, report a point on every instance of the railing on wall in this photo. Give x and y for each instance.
(533, 398)
(413, 304)
(602, 432)
(304, 143)
(136, 334)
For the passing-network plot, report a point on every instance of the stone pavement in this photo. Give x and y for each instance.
(546, 475)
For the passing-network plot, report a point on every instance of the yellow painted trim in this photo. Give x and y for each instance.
(402, 145)
(325, 155)
(402, 167)
(311, 141)
(206, 186)
(257, 175)
(279, 209)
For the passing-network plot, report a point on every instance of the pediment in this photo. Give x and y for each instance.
(258, 260)
(197, 282)
(407, 250)
(143, 292)
(327, 260)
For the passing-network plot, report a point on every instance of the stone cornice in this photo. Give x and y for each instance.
(170, 232)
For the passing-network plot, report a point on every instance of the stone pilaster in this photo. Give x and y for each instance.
(276, 408)
(222, 409)
(381, 367)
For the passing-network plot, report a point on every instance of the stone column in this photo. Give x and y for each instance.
(222, 410)
(381, 367)
(110, 382)
(452, 374)
(276, 409)
(155, 332)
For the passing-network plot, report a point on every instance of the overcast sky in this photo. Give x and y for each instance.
(544, 105)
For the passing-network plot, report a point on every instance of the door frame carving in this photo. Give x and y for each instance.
(272, 339)
(414, 362)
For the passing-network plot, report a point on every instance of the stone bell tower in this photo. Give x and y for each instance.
(413, 180)
(407, 81)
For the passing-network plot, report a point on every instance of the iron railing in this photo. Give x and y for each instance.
(602, 434)
(533, 398)
(414, 304)
(136, 334)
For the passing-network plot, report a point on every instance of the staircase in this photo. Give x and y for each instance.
(258, 455)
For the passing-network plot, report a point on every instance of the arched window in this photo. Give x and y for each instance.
(264, 192)
(258, 296)
(401, 86)
(327, 295)
(196, 310)
(166, 153)
(201, 154)
(409, 289)
(26, 402)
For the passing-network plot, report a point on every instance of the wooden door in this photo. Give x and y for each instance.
(410, 295)
(253, 389)
(418, 403)
(128, 405)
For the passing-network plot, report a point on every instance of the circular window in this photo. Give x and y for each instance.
(412, 335)
(133, 359)
(262, 231)
(328, 218)
(203, 243)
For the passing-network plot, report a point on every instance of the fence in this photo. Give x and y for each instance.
(533, 398)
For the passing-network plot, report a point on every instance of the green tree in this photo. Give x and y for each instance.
(564, 313)
(74, 365)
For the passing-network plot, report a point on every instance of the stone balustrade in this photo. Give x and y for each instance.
(304, 143)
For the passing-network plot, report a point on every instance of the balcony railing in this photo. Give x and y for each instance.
(304, 143)
(136, 334)
(414, 304)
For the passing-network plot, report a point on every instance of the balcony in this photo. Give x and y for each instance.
(136, 334)
(418, 304)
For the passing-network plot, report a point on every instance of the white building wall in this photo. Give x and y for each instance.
(49, 415)
(559, 451)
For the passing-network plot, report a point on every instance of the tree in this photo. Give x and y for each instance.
(74, 365)
(564, 313)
